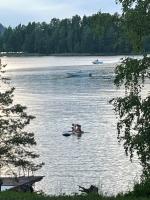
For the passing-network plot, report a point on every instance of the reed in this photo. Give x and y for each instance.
(34, 196)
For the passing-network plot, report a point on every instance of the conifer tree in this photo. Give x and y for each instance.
(15, 141)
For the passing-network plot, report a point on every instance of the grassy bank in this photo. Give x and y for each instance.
(32, 196)
(141, 191)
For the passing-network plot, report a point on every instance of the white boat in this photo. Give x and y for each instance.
(97, 62)
(77, 74)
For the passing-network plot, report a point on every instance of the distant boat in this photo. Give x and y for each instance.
(78, 74)
(97, 62)
(70, 75)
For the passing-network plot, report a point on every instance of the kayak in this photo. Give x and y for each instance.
(77, 133)
(66, 134)
(69, 133)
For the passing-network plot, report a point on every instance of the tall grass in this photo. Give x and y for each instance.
(141, 191)
(142, 188)
(32, 196)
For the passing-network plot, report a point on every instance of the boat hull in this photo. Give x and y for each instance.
(69, 133)
(97, 62)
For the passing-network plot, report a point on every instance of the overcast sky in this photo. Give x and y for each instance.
(14, 12)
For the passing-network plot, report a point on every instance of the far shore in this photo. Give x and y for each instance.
(23, 54)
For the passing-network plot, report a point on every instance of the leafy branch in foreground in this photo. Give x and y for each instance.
(136, 15)
(15, 141)
(134, 74)
(134, 109)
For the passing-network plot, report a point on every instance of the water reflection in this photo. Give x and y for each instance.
(57, 102)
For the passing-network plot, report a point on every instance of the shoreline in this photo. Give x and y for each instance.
(21, 54)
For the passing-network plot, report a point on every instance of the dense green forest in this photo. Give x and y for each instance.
(100, 33)
(1, 28)
(74, 35)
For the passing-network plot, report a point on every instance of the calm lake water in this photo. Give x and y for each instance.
(57, 101)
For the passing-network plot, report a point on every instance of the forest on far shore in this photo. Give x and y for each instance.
(100, 33)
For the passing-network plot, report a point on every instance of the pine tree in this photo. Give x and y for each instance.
(15, 141)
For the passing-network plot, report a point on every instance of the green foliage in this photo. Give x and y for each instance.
(136, 72)
(15, 141)
(136, 18)
(142, 189)
(29, 196)
(134, 108)
(99, 33)
(2, 28)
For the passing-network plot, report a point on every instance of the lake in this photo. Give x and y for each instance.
(57, 101)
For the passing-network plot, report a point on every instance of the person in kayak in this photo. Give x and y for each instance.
(76, 128)
(73, 127)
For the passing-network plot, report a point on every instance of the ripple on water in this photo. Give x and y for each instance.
(57, 102)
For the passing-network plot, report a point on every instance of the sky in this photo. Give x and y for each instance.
(14, 12)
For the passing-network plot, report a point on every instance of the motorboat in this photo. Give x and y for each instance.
(70, 75)
(97, 62)
(77, 74)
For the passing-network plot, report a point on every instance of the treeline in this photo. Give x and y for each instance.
(1, 28)
(99, 33)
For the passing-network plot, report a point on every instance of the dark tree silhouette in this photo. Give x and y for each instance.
(15, 142)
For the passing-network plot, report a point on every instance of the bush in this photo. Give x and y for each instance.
(142, 189)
